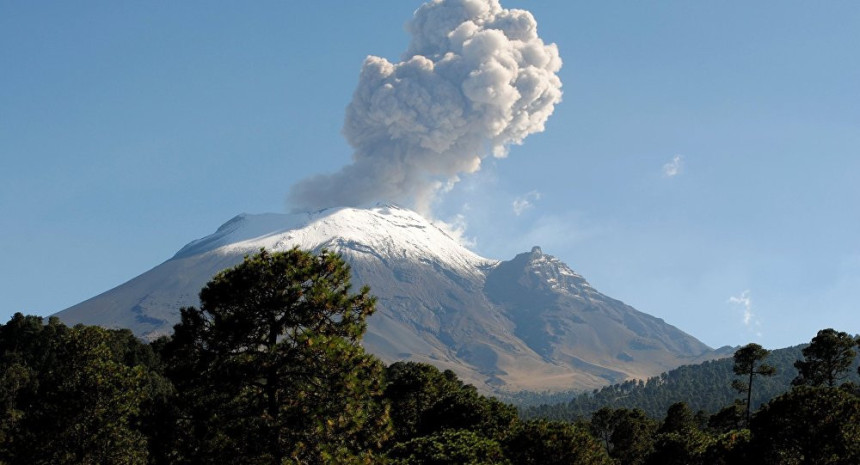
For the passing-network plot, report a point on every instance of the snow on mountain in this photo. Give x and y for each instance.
(385, 231)
(527, 323)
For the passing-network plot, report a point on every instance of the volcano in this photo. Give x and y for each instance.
(530, 323)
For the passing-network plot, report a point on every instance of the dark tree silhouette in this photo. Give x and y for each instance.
(748, 363)
(71, 395)
(541, 442)
(826, 359)
(270, 367)
(814, 425)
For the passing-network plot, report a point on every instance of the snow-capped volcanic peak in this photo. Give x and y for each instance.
(526, 323)
(385, 232)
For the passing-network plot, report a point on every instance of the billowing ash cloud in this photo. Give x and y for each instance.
(475, 79)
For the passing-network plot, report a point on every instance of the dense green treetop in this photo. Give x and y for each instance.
(270, 369)
(826, 360)
(73, 395)
(809, 425)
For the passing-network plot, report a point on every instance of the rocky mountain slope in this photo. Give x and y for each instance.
(530, 323)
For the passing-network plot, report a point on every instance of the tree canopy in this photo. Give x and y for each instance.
(270, 370)
(749, 363)
(270, 367)
(72, 395)
(827, 359)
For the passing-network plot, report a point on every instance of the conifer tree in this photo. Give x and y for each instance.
(814, 425)
(70, 395)
(826, 359)
(748, 363)
(270, 369)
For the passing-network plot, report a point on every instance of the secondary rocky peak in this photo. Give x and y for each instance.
(537, 270)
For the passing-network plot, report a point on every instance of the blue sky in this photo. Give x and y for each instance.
(702, 166)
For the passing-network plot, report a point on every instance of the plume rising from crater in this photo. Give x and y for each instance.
(475, 79)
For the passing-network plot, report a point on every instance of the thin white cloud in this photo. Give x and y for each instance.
(746, 304)
(524, 202)
(748, 317)
(674, 167)
(456, 227)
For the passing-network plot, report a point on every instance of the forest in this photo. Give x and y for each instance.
(704, 387)
(270, 370)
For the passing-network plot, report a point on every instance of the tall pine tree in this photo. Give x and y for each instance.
(749, 363)
(270, 368)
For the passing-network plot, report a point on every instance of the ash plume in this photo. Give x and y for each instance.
(475, 78)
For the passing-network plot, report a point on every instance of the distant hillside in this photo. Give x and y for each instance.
(706, 386)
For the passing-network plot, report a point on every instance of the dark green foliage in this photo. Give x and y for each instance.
(540, 442)
(729, 448)
(826, 359)
(466, 409)
(728, 418)
(74, 395)
(749, 363)
(679, 440)
(706, 387)
(27, 350)
(633, 436)
(809, 425)
(805, 425)
(270, 369)
(687, 448)
(97, 398)
(627, 435)
(240, 391)
(449, 447)
(413, 389)
(527, 399)
(602, 425)
(434, 413)
(425, 401)
(679, 419)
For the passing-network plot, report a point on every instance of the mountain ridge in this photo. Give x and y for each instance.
(527, 323)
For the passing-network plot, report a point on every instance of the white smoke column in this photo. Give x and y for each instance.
(745, 302)
(475, 79)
